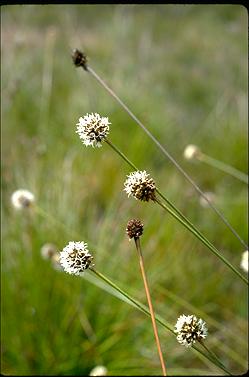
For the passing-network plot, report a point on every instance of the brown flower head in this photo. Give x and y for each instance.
(134, 228)
(79, 59)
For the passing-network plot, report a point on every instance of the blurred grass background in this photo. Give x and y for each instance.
(182, 69)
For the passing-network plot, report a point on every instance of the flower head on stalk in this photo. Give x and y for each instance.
(191, 151)
(189, 329)
(140, 185)
(134, 228)
(93, 129)
(22, 199)
(75, 258)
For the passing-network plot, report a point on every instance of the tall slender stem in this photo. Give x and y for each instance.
(181, 218)
(202, 239)
(146, 286)
(138, 305)
(214, 356)
(166, 153)
(223, 167)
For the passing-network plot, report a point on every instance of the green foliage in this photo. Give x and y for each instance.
(182, 69)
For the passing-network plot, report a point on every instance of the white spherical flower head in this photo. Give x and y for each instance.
(48, 250)
(75, 258)
(244, 261)
(22, 199)
(189, 329)
(93, 129)
(99, 370)
(140, 185)
(191, 151)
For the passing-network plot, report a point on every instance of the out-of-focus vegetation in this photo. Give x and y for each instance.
(182, 69)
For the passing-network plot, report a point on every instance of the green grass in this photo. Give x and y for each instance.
(183, 71)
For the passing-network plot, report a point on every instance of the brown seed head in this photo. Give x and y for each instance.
(134, 228)
(79, 59)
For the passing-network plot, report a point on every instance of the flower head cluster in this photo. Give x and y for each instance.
(189, 329)
(244, 261)
(134, 228)
(22, 199)
(140, 185)
(93, 129)
(75, 258)
(191, 151)
(99, 370)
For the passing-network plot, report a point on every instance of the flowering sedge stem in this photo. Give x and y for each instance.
(212, 354)
(180, 217)
(203, 239)
(141, 262)
(138, 305)
(223, 167)
(120, 154)
(165, 152)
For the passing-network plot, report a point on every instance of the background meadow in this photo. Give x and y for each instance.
(182, 69)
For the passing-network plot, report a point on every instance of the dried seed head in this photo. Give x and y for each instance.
(134, 228)
(191, 151)
(189, 329)
(22, 199)
(79, 59)
(75, 258)
(139, 185)
(93, 129)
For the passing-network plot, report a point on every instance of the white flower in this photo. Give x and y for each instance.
(139, 185)
(93, 129)
(210, 196)
(191, 151)
(99, 370)
(189, 329)
(22, 199)
(48, 250)
(244, 261)
(75, 258)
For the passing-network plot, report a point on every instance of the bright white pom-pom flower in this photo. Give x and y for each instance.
(99, 370)
(244, 261)
(93, 129)
(22, 199)
(140, 185)
(75, 258)
(189, 329)
(191, 151)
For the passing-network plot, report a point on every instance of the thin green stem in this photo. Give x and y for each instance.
(121, 154)
(165, 152)
(212, 354)
(203, 239)
(138, 305)
(223, 167)
(181, 218)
